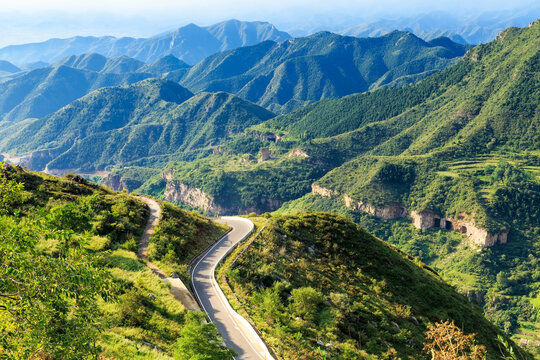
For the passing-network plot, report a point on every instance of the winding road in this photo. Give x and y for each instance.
(236, 331)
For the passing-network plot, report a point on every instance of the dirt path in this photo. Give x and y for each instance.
(178, 289)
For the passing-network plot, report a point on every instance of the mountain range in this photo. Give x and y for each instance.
(471, 28)
(430, 145)
(278, 76)
(286, 75)
(446, 169)
(190, 43)
(118, 125)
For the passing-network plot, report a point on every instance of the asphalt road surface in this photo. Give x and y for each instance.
(236, 331)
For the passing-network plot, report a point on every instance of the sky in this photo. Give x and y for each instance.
(24, 21)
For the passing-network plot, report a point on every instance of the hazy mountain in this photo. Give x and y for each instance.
(165, 65)
(34, 65)
(284, 76)
(99, 63)
(7, 67)
(471, 29)
(116, 125)
(189, 43)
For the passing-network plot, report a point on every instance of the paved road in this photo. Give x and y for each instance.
(237, 332)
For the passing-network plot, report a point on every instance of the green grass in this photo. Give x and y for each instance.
(360, 281)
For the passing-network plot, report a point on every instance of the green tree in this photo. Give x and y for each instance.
(11, 191)
(48, 305)
(201, 341)
(306, 302)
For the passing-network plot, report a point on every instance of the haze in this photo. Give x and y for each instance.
(24, 21)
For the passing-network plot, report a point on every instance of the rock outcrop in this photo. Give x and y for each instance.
(387, 212)
(265, 155)
(428, 219)
(115, 182)
(298, 153)
(421, 220)
(181, 193)
(321, 191)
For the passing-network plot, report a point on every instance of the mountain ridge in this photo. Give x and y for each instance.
(180, 43)
(268, 73)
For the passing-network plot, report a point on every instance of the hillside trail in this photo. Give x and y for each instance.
(178, 289)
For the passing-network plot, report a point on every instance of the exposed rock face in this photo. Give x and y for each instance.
(265, 155)
(192, 196)
(178, 192)
(422, 220)
(324, 192)
(427, 219)
(115, 182)
(392, 211)
(298, 153)
(38, 160)
(386, 212)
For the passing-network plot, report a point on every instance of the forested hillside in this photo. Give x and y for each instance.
(457, 151)
(287, 75)
(136, 123)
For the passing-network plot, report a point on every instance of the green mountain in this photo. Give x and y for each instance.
(70, 253)
(99, 63)
(138, 122)
(165, 65)
(45, 90)
(287, 75)
(447, 169)
(318, 286)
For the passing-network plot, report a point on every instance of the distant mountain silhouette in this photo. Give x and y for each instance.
(190, 43)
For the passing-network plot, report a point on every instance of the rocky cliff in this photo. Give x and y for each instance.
(421, 220)
(181, 193)
(392, 211)
(428, 219)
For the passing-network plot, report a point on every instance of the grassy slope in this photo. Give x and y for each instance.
(115, 222)
(370, 292)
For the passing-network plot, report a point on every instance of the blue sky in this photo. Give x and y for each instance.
(36, 20)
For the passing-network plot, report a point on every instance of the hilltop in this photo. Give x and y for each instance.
(75, 287)
(318, 286)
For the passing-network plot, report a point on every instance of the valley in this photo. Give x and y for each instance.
(370, 189)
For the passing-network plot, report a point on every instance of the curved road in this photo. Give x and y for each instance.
(236, 331)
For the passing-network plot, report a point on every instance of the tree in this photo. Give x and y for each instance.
(11, 191)
(201, 341)
(306, 301)
(445, 341)
(48, 305)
